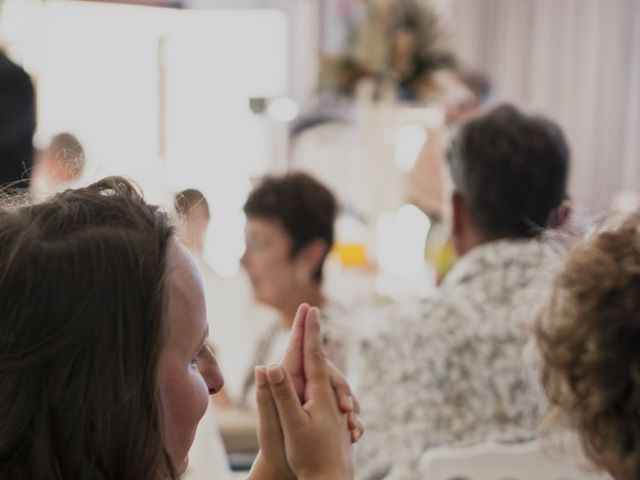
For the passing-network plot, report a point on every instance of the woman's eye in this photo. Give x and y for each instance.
(194, 362)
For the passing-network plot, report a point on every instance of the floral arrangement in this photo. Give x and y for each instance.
(395, 41)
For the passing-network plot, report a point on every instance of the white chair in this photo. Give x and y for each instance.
(493, 461)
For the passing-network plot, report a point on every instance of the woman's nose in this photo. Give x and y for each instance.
(244, 258)
(211, 373)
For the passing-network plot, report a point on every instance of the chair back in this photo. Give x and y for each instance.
(494, 461)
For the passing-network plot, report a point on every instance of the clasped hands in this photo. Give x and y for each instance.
(307, 413)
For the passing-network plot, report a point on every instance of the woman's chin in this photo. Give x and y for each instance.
(179, 469)
(182, 467)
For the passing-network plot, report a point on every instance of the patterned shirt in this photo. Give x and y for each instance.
(449, 370)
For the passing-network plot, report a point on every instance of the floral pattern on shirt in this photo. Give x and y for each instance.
(449, 370)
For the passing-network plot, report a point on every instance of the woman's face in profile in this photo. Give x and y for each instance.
(268, 261)
(187, 370)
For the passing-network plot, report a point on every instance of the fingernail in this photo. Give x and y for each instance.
(275, 374)
(260, 376)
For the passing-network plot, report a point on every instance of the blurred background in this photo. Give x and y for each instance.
(362, 94)
(165, 95)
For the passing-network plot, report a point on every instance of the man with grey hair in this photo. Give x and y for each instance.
(448, 370)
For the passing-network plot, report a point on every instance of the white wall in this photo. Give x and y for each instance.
(303, 39)
(160, 95)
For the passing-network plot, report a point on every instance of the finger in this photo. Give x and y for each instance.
(296, 342)
(356, 405)
(345, 402)
(357, 432)
(342, 389)
(293, 360)
(352, 421)
(360, 431)
(290, 412)
(269, 425)
(316, 370)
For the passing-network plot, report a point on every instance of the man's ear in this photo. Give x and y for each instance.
(463, 234)
(458, 215)
(562, 214)
(312, 255)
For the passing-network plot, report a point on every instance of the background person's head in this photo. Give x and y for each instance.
(103, 368)
(509, 173)
(193, 210)
(63, 161)
(458, 107)
(289, 232)
(588, 337)
(17, 124)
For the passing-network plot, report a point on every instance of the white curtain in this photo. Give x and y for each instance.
(577, 61)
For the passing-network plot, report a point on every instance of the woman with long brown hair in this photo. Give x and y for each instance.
(104, 365)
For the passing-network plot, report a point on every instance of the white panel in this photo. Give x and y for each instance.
(98, 79)
(162, 96)
(216, 61)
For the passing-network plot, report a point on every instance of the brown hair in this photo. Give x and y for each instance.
(589, 339)
(81, 327)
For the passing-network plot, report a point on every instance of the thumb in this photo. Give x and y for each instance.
(316, 369)
(292, 360)
(291, 413)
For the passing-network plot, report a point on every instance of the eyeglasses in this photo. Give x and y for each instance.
(256, 244)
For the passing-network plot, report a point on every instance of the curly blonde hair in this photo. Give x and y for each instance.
(589, 340)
